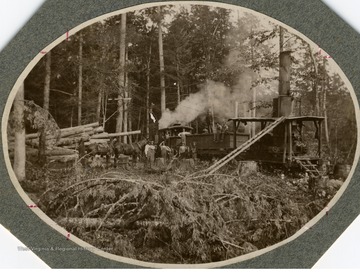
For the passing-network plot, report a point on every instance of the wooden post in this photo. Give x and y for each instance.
(253, 124)
(285, 142)
(320, 138)
(236, 109)
(290, 140)
(212, 117)
(281, 41)
(263, 125)
(235, 129)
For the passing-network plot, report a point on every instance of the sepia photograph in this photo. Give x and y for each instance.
(183, 133)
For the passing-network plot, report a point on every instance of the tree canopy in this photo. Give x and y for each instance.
(232, 48)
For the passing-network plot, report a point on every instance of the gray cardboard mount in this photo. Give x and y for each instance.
(311, 17)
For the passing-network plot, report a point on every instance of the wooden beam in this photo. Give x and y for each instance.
(263, 125)
(320, 138)
(285, 143)
(290, 140)
(235, 130)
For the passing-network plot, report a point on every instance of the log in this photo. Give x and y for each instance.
(79, 135)
(89, 222)
(63, 141)
(90, 125)
(62, 134)
(32, 142)
(60, 151)
(99, 130)
(35, 143)
(76, 131)
(91, 141)
(29, 152)
(106, 135)
(109, 223)
(73, 146)
(73, 140)
(57, 151)
(62, 158)
(101, 136)
(70, 130)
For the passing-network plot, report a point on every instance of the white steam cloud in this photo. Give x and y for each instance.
(212, 95)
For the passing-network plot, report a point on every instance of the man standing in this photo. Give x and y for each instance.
(165, 151)
(167, 138)
(150, 154)
(209, 121)
(217, 131)
(224, 129)
(194, 151)
(182, 151)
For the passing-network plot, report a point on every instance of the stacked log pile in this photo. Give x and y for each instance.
(65, 148)
(69, 137)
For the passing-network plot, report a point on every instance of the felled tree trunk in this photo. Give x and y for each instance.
(109, 223)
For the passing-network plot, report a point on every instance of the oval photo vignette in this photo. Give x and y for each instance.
(189, 145)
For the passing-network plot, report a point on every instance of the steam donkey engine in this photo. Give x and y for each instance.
(282, 138)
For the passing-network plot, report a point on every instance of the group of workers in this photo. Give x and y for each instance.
(219, 130)
(183, 151)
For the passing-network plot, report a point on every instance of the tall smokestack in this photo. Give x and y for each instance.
(285, 100)
(236, 109)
